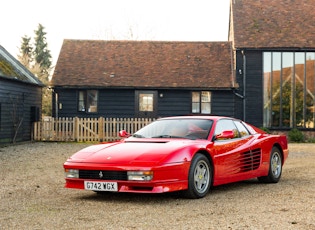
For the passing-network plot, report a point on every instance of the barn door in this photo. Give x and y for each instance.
(146, 103)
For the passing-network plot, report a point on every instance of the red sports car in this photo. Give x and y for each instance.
(188, 154)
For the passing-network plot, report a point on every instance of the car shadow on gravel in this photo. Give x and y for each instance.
(129, 197)
(165, 197)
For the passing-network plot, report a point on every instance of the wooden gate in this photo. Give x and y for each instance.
(87, 129)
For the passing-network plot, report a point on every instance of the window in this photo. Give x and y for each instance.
(289, 89)
(224, 125)
(242, 131)
(237, 127)
(201, 102)
(146, 102)
(88, 101)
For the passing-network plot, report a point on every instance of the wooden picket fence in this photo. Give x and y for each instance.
(85, 129)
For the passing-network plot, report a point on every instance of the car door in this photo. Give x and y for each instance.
(231, 155)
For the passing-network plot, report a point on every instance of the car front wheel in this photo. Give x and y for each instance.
(275, 167)
(199, 177)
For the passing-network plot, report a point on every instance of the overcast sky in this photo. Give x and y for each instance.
(164, 20)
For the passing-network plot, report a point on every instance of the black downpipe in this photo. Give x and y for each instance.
(244, 85)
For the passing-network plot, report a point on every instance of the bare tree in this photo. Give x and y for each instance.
(132, 32)
(17, 113)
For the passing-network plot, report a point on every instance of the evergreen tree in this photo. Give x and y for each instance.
(38, 60)
(42, 54)
(26, 49)
(42, 66)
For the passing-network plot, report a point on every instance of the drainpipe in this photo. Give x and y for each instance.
(244, 85)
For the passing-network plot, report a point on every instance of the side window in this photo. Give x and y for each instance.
(87, 101)
(241, 129)
(224, 125)
(201, 102)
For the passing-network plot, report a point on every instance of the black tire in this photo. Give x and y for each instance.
(199, 177)
(275, 167)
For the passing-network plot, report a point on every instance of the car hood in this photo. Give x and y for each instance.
(133, 152)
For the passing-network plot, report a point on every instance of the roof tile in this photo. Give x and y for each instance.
(148, 64)
(273, 24)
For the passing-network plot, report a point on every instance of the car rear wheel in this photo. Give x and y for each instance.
(275, 167)
(199, 177)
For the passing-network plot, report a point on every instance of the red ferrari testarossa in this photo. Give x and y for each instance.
(188, 154)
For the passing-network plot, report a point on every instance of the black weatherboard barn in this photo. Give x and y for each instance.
(274, 46)
(143, 79)
(264, 74)
(20, 100)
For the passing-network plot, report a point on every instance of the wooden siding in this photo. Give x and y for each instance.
(117, 103)
(111, 103)
(121, 103)
(223, 103)
(174, 102)
(68, 103)
(254, 87)
(19, 101)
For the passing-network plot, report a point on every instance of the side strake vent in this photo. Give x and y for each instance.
(243, 162)
(251, 160)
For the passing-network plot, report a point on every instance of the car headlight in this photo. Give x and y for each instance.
(71, 173)
(140, 175)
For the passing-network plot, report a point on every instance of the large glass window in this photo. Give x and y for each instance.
(309, 110)
(201, 102)
(289, 89)
(87, 101)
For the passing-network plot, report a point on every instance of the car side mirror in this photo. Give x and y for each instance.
(124, 134)
(226, 134)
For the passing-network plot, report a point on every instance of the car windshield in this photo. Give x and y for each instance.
(176, 128)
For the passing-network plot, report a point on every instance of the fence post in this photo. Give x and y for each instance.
(101, 128)
(36, 131)
(76, 128)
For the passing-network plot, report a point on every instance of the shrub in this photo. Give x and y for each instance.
(311, 140)
(296, 135)
(265, 129)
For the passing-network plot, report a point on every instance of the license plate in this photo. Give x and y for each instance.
(101, 186)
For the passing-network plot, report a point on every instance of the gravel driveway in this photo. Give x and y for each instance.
(33, 197)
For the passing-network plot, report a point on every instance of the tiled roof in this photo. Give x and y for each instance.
(12, 69)
(146, 64)
(273, 23)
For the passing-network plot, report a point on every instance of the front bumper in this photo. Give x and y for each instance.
(137, 187)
